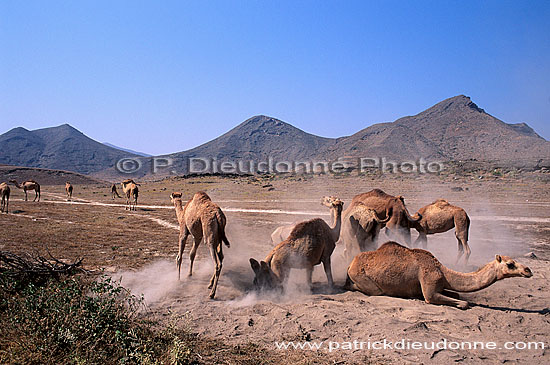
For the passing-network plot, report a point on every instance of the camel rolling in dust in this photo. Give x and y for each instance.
(398, 271)
(204, 220)
(309, 244)
(130, 189)
(385, 206)
(29, 185)
(114, 192)
(5, 194)
(69, 190)
(439, 217)
(361, 230)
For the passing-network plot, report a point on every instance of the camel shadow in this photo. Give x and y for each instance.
(507, 309)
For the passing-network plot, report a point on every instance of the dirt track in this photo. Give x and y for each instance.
(509, 217)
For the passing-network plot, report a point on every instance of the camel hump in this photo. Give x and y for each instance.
(201, 195)
(441, 202)
(305, 228)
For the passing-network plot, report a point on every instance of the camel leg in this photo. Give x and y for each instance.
(35, 196)
(463, 242)
(328, 272)
(451, 294)
(26, 198)
(364, 284)
(193, 253)
(182, 240)
(309, 275)
(216, 275)
(432, 296)
(460, 252)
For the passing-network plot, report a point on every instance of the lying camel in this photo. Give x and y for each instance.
(309, 244)
(385, 206)
(29, 185)
(362, 231)
(398, 271)
(114, 192)
(69, 190)
(130, 188)
(439, 217)
(5, 194)
(203, 219)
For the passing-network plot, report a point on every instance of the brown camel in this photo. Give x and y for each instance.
(5, 194)
(130, 188)
(114, 192)
(398, 271)
(385, 205)
(69, 190)
(29, 185)
(362, 231)
(439, 217)
(202, 218)
(309, 244)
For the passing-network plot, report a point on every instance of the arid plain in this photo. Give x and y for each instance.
(509, 213)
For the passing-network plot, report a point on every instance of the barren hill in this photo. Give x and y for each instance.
(454, 129)
(45, 176)
(62, 148)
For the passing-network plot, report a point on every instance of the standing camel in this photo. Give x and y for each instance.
(29, 185)
(202, 218)
(114, 192)
(69, 190)
(309, 244)
(5, 193)
(398, 271)
(130, 188)
(439, 217)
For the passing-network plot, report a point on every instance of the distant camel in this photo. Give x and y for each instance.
(439, 217)
(130, 188)
(114, 192)
(398, 271)
(69, 190)
(310, 243)
(5, 193)
(202, 218)
(29, 185)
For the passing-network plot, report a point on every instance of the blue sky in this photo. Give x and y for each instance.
(184, 72)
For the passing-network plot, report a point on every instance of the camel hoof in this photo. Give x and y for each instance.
(463, 305)
(210, 286)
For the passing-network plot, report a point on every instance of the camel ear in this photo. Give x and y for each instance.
(255, 265)
(264, 266)
(498, 258)
(400, 197)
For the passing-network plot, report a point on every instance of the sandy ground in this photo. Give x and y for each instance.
(510, 216)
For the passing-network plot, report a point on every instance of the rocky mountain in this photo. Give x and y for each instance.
(60, 148)
(454, 129)
(127, 150)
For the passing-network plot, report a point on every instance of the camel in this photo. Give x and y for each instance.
(29, 185)
(281, 233)
(310, 243)
(398, 271)
(130, 188)
(439, 217)
(5, 194)
(204, 219)
(69, 190)
(114, 192)
(385, 206)
(362, 231)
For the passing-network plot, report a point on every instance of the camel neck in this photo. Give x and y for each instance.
(179, 207)
(473, 281)
(336, 223)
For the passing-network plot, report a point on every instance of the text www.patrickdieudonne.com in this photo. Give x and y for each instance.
(406, 344)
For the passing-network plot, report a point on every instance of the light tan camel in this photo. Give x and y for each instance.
(361, 231)
(114, 192)
(69, 190)
(398, 271)
(5, 193)
(309, 244)
(204, 219)
(29, 185)
(130, 188)
(281, 233)
(439, 217)
(386, 205)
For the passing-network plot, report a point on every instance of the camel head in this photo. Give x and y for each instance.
(399, 219)
(264, 277)
(175, 195)
(333, 203)
(508, 268)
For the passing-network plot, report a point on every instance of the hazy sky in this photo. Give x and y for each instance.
(162, 76)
